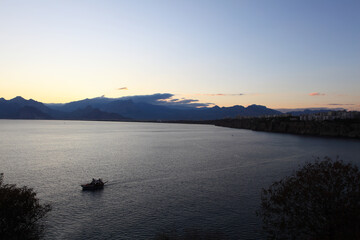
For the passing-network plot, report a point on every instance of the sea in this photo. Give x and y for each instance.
(161, 176)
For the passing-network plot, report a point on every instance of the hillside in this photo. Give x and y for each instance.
(121, 109)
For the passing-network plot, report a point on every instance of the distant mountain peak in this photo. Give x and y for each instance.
(18, 99)
(237, 107)
(256, 106)
(124, 108)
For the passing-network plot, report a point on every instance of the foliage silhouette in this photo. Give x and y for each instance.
(319, 201)
(20, 212)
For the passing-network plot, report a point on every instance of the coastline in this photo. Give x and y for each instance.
(338, 129)
(349, 129)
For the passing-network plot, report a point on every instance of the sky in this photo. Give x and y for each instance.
(278, 53)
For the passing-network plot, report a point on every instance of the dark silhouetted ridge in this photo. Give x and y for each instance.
(102, 108)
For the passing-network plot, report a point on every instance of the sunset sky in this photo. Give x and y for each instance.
(281, 54)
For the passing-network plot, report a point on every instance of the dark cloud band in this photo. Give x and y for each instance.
(166, 99)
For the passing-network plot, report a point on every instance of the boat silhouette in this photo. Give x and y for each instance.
(93, 185)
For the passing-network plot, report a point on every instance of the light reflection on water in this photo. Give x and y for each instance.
(160, 175)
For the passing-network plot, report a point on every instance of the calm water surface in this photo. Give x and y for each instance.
(160, 176)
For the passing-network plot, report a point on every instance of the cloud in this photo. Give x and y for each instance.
(123, 88)
(154, 98)
(166, 99)
(316, 94)
(219, 94)
(187, 101)
(183, 103)
(341, 104)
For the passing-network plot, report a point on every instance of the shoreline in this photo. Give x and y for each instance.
(346, 129)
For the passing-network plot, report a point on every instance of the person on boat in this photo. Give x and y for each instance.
(93, 181)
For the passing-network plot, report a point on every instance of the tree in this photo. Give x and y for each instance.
(319, 201)
(20, 212)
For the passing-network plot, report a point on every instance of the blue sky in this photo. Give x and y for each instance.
(274, 53)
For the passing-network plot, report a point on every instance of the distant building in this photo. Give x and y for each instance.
(331, 115)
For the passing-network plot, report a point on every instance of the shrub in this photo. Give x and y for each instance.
(20, 212)
(319, 201)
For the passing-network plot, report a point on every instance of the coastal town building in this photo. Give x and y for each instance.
(318, 116)
(331, 115)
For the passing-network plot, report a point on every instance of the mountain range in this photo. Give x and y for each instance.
(102, 108)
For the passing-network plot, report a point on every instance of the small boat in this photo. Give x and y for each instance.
(94, 185)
